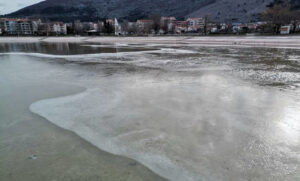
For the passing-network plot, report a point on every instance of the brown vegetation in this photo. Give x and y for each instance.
(279, 15)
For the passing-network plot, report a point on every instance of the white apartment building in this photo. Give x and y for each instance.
(20, 26)
(58, 28)
(194, 24)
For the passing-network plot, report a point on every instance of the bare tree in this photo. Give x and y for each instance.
(156, 22)
(279, 15)
(125, 26)
(132, 28)
(108, 27)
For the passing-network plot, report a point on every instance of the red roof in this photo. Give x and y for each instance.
(145, 21)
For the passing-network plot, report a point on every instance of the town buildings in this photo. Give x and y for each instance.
(196, 24)
(167, 24)
(154, 25)
(144, 26)
(181, 27)
(58, 28)
(52, 28)
(12, 26)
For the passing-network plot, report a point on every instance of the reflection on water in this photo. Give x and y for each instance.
(64, 48)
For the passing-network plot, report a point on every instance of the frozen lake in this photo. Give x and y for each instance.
(185, 111)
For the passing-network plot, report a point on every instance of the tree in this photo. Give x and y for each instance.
(132, 29)
(156, 22)
(279, 15)
(125, 26)
(205, 25)
(108, 27)
(77, 27)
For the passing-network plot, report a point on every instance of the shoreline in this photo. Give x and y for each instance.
(251, 41)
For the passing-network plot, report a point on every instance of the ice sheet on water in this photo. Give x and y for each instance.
(207, 125)
(181, 126)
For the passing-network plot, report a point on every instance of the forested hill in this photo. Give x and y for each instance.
(89, 10)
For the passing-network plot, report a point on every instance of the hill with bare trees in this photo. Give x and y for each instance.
(89, 10)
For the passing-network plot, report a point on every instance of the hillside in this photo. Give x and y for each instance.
(233, 10)
(219, 10)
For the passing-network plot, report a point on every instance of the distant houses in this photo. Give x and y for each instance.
(144, 26)
(181, 27)
(12, 26)
(196, 24)
(285, 30)
(153, 25)
(52, 28)
(167, 24)
(19, 26)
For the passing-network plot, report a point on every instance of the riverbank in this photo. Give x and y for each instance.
(251, 41)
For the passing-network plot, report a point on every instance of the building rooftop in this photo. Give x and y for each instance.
(144, 21)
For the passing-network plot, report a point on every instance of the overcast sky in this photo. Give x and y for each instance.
(8, 6)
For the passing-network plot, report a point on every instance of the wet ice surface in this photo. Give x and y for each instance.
(187, 112)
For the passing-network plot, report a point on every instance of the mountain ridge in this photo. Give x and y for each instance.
(90, 10)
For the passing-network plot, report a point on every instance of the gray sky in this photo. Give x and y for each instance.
(8, 6)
